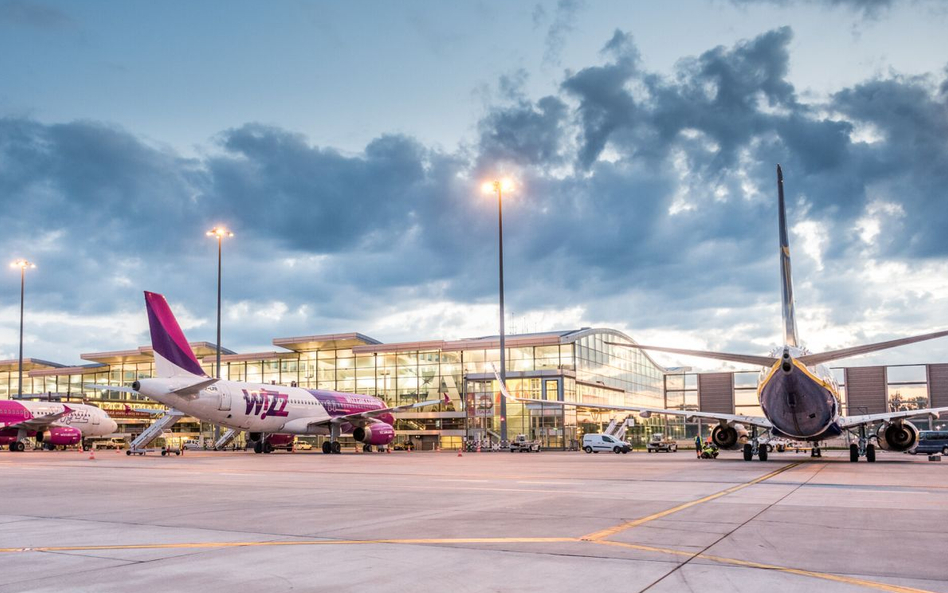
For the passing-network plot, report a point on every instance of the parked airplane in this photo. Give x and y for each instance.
(269, 413)
(798, 394)
(52, 424)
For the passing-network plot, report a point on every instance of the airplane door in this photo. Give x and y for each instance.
(224, 401)
(95, 419)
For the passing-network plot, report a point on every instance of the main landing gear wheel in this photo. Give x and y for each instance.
(20, 447)
(337, 447)
(854, 453)
(366, 448)
(762, 453)
(748, 452)
(327, 447)
(816, 452)
(588, 449)
(267, 448)
(258, 447)
(870, 453)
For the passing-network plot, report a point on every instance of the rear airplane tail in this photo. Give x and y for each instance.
(789, 316)
(173, 354)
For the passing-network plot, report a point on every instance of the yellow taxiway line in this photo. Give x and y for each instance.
(609, 532)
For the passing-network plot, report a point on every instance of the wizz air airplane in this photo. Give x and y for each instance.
(271, 414)
(797, 392)
(52, 424)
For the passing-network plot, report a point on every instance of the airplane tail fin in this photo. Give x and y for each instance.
(789, 317)
(173, 354)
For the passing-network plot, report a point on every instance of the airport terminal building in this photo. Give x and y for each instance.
(571, 365)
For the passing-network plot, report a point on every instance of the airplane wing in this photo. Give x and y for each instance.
(822, 357)
(361, 418)
(851, 421)
(763, 361)
(643, 411)
(41, 422)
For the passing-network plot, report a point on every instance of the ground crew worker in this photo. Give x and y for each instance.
(698, 445)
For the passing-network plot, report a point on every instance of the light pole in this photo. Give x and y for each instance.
(499, 186)
(219, 232)
(23, 265)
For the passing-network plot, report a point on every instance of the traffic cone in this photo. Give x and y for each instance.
(459, 453)
(388, 449)
(478, 447)
(92, 453)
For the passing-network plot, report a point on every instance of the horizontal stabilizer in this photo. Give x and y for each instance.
(194, 388)
(764, 361)
(823, 357)
(109, 388)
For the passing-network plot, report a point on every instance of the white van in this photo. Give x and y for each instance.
(594, 443)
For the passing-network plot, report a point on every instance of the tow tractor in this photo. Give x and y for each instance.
(659, 443)
(522, 445)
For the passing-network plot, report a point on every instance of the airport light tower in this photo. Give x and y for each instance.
(499, 186)
(23, 265)
(219, 232)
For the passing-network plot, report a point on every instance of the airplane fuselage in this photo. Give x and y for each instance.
(89, 420)
(800, 402)
(258, 407)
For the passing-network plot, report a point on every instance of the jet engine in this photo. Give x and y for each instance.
(897, 436)
(59, 435)
(378, 433)
(732, 436)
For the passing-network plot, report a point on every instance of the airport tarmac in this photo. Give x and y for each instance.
(235, 521)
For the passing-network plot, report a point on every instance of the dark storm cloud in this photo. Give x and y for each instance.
(868, 8)
(633, 186)
(34, 14)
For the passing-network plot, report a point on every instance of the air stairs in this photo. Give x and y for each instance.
(225, 439)
(154, 431)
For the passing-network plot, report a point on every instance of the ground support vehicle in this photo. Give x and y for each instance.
(522, 445)
(658, 443)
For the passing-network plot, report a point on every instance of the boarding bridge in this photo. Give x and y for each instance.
(154, 431)
(225, 439)
(612, 426)
(619, 431)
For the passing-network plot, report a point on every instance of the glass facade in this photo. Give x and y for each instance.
(579, 365)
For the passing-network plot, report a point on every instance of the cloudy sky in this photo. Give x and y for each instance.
(345, 144)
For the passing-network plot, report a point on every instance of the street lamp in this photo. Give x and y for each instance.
(219, 232)
(23, 265)
(499, 186)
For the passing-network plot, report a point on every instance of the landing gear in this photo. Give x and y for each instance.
(258, 447)
(18, 446)
(267, 447)
(366, 448)
(755, 447)
(327, 447)
(862, 447)
(816, 452)
(337, 447)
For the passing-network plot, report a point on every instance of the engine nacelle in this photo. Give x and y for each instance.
(900, 436)
(378, 433)
(59, 436)
(732, 436)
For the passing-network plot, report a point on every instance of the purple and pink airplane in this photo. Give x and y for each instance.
(271, 414)
(51, 424)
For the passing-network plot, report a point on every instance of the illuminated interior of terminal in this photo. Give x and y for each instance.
(574, 365)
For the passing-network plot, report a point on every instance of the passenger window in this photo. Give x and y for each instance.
(607, 439)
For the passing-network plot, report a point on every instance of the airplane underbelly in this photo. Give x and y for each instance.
(797, 405)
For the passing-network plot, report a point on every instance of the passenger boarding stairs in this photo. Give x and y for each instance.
(619, 432)
(154, 431)
(225, 439)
